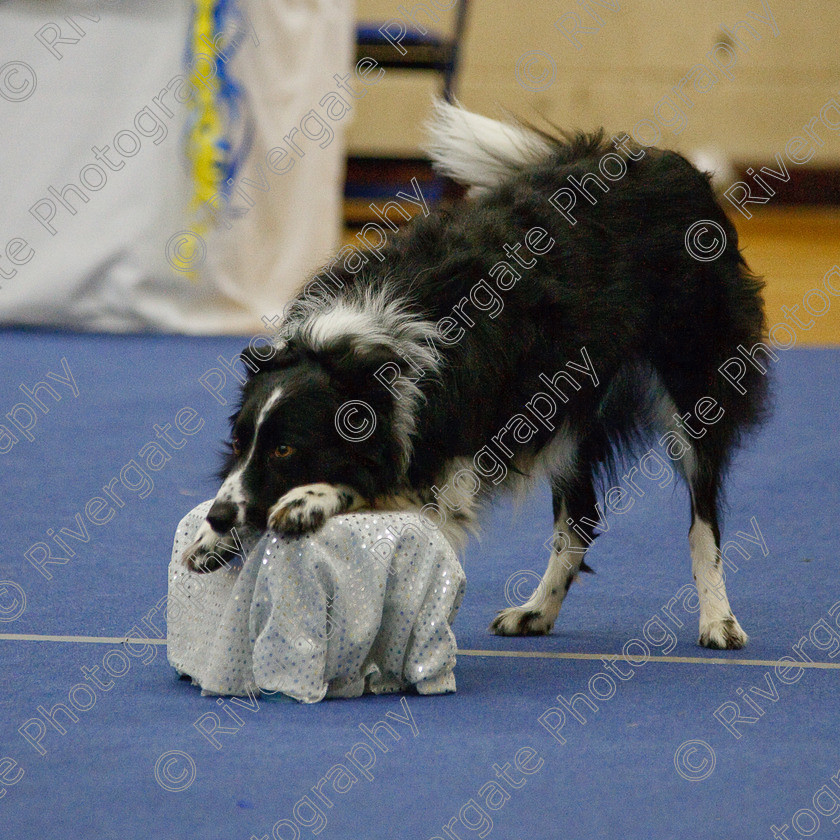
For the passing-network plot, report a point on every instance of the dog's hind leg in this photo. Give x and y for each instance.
(702, 468)
(537, 615)
(718, 626)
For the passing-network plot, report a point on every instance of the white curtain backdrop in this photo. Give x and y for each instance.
(95, 185)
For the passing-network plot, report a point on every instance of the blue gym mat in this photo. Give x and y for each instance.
(546, 737)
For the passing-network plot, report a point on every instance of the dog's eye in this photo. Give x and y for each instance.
(236, 447)
(283, 451)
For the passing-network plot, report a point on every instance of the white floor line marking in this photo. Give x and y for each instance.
(688, 660)
(522, 654)
(95, 640)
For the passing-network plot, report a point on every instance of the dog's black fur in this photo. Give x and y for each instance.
(655, 322)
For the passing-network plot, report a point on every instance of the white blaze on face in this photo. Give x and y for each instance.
(233, 488)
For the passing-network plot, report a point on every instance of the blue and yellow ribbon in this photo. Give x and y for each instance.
(217, 114)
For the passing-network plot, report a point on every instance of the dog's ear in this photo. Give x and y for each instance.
(266, 358)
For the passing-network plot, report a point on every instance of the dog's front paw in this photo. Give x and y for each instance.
(722, 634)
(202, 560)
(209, 551)
(200, 554)
(519, 621)
(304, 509)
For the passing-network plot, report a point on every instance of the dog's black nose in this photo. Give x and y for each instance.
(222, 516)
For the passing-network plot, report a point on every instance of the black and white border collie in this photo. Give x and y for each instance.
(507, 339)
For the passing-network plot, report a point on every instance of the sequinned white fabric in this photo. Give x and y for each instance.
(364, 604)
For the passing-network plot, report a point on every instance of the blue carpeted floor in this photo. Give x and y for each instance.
(625, 768)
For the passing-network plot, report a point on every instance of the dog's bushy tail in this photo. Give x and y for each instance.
(478, 151)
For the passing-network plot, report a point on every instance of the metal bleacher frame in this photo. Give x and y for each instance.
(421, 49)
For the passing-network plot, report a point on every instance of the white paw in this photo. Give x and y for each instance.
(211, 550)
(521, 621)
(200, 548)
(207, 552)
(306, 508)
(722, 634)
